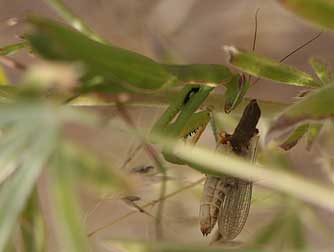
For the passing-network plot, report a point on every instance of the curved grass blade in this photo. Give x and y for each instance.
(67, 212)
(319, 12)
(32, 226)
(266, 68)
(16, 190)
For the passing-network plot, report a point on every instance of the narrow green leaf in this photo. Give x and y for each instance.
(118, 68)
(15, 191)
(319, 12)
(266, 68)
(32, 226)
(294, 137)
(322, 70)
(316, 106)
(67, 214)
(12, 48)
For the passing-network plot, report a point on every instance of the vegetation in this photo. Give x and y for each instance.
(51, 133)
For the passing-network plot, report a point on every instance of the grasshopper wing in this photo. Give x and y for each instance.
(235, 208)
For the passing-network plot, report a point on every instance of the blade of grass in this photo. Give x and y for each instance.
(32, 226)
(66, 210)
(15, 191)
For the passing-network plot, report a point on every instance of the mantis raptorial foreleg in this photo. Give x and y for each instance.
(181, 120)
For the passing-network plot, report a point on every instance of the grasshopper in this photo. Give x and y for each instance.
(227, 199)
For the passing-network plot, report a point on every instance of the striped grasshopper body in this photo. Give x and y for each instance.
(227, 198)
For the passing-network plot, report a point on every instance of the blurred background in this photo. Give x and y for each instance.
(192, 31)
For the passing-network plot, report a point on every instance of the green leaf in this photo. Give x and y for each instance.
(12, 48)
(118, 69)
(322, 70)
(319, 12)
(316, 106)
(294, 137)
(66, 209)
(266, 68)
(16, 190)
(32, 226)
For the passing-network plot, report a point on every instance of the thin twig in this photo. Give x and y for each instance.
(131, 156)
(149, 204)
(158, 162)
